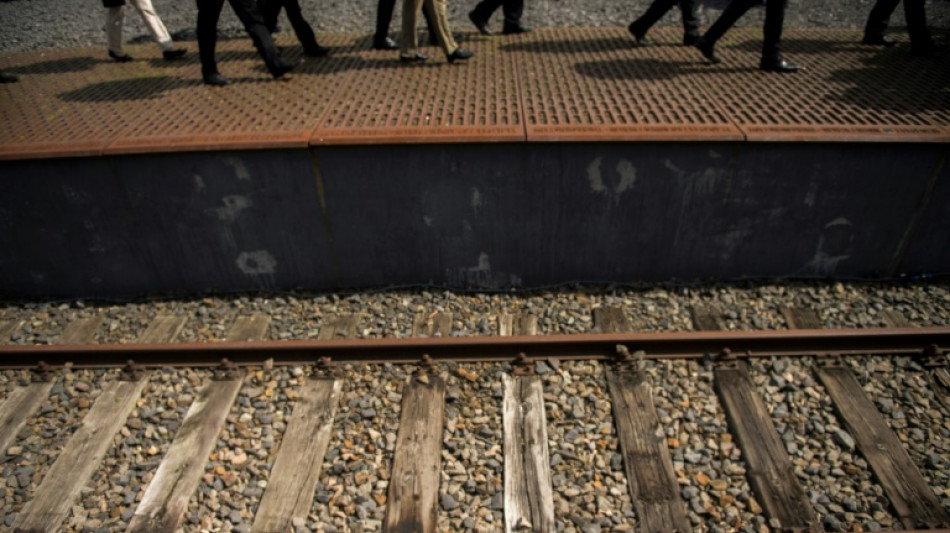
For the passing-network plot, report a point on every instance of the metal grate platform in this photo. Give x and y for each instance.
(847, 92)
(593, 85)
(390, 102)
(549, 85)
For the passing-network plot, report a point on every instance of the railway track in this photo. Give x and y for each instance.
(710, 430)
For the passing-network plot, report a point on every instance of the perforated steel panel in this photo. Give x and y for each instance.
(595, 85)
(391, 102)
(845, 92)
(57, 108)
(549, 85)
(253, 112)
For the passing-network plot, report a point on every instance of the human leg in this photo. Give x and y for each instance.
(208, 13)
(690, 22)
(639, 28)
(707, 43)
(153, 23)
(250, 15)
(877, 21)
(513, 10)
(384, 15)
(408, 40)
(303, 30)
(115, 16)
(771, 54)
(482, 13)
(270, 10)
(441, 29)
(916, 15)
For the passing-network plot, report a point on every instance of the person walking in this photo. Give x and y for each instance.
(512, 10)
(916, 15)
(384, 15)
(655, 12)
(270, 10)
(249, 13)
(115, 16)
(409, 45)
(772, 60)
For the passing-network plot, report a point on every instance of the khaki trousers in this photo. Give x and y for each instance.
(410, 13)
(115, 16)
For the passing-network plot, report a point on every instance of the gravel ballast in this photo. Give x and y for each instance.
(590, 488)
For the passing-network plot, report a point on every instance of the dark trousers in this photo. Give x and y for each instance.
(774, 20)
(384, 15)
(512, 10)
(270, 9)
(660, 7)
(914, 12)
(250, 15)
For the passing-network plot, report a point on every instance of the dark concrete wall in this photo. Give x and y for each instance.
(487, 215)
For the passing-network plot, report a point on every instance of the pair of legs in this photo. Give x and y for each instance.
(270, 9)
(384, 15)
(512, 10)
(655, 12)
(408, 49)
(115, 16)
(774, 20)
(916, 16)
(250, 15)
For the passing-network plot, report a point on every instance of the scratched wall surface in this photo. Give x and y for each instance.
(480, 215)
(927, 245)
(163, 223)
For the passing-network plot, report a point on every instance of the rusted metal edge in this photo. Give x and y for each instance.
(637, 132)
(422, 134)
(474, 349)
(49, 150)
(844, 134)
(203, 143)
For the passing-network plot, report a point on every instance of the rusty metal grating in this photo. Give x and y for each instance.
(253, 112)
(46, 114)
(593, 84)
(549, 85)
(847, 91)
(391, 102)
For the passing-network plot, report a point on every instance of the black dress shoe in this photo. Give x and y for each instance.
(174, 53)
(216, 79)
(8, 78)
(317, 51)
(638, 36)
(877, 40)
(460, 54)
(124, 58)
(480, 25)
(414, 58)
(384, 44)
(514, 29)
(283, 67)
(708, 50)
(689, 39)
(777, 64)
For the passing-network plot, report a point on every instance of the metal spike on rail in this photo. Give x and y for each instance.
(426, 367)
(227, 370)
(934, 357)
(523, 365)
(131, 371)
(43, 373)
(325, 369)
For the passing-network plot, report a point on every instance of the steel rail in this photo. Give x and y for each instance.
(473, 349)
